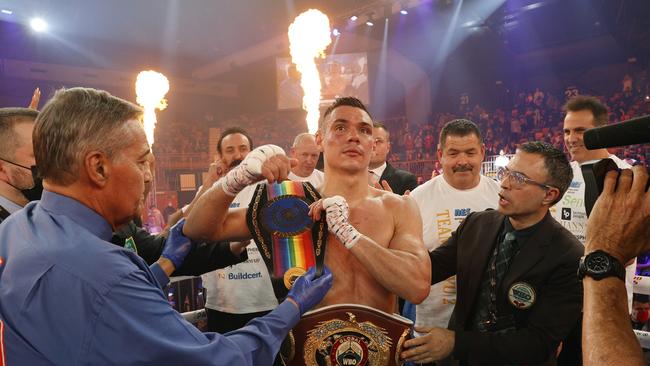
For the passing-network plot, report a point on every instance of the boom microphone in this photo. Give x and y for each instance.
(630, 132)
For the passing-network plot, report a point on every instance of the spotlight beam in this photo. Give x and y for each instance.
(38, 24)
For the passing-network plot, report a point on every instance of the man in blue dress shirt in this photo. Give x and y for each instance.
(68, 296)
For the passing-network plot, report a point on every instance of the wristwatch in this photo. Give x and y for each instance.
(599, 265)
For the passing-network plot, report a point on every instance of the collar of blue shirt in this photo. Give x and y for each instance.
(83, 215)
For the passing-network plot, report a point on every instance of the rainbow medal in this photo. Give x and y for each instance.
(289, 241)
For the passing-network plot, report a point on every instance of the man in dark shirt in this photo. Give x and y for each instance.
(204, 257)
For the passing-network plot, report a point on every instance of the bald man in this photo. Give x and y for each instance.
(306, 151)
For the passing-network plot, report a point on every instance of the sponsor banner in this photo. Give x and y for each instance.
(641, 285)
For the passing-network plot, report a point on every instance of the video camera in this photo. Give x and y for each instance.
(630, 132)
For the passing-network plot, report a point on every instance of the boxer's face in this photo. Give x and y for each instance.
(346, 139)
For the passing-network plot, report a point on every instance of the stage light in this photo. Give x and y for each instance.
(6, 11)
(354, 18)
(404, 12)
(371, 20)
(532, 6)
(336, 32)
(470, 24)
(38, 24)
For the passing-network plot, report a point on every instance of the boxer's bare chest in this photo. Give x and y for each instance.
(353, 283)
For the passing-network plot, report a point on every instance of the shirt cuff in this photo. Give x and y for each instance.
(287, 310)
(159, 274)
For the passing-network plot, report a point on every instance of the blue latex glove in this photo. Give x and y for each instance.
(177, 245)
(307, 291)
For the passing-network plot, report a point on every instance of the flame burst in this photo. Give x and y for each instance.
(150, 88)
(309, 35)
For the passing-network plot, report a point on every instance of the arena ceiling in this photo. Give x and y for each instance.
(190, 35)
(193, 29)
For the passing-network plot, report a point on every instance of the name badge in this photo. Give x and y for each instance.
(522, 295)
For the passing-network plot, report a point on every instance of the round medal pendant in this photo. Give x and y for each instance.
(521, 295)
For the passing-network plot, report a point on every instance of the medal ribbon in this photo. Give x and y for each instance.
(293, 251)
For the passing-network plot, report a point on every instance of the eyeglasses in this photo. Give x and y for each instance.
(518, 179)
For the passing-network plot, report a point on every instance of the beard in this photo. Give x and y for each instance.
(20, 179)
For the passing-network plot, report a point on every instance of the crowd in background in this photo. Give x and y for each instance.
(277, 128)
(187, 137)
(180, 137)
(533, 115)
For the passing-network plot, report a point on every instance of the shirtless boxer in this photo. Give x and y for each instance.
(375, 248)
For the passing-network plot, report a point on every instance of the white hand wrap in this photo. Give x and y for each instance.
(250, 170)
(337, 213)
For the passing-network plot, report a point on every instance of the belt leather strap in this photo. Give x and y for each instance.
(289, 242)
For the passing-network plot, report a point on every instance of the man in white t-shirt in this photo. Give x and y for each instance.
(583, 113)
(445, 201)
(241, 292)
(306, 151)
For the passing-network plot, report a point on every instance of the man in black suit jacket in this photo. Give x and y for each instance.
(380, 170)
(518, 292)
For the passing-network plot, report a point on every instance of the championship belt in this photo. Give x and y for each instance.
(288, 240)
(348, 334)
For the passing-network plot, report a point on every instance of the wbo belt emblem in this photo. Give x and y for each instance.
(347, 343)
(522, 295)
(348, 335)
(349, 350)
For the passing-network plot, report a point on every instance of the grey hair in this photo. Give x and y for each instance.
(76, 121)
(301, 137)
